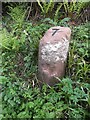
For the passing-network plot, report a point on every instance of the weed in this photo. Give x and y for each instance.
(21, 96)
(78, 53)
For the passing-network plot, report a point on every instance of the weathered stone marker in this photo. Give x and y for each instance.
(53, 49)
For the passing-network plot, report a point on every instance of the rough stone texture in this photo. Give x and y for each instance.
(53, 49)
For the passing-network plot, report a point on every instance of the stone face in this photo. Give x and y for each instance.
(53, 49)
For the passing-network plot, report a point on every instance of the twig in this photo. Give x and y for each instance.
(29, 11)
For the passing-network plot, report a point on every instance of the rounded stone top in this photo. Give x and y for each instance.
(56, 33)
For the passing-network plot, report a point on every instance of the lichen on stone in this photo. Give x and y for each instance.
(55, 52)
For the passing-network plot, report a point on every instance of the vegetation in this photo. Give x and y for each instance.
(21, 95)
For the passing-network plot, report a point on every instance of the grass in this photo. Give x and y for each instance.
(21, 96)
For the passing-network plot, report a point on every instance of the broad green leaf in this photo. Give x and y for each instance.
(30, 104)
(50, 115)
(3, 79)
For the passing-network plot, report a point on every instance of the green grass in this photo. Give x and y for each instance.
(21, 96)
